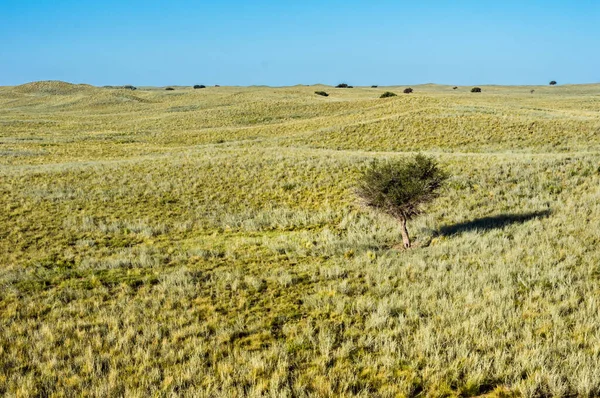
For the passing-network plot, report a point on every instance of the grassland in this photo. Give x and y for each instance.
(208, 243)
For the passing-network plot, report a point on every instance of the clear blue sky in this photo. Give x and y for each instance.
(232, 42)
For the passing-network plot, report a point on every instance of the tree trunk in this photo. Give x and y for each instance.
(404, 231)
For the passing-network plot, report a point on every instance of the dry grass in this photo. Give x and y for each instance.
(207, 243)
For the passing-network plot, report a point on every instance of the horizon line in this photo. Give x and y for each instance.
(303, 85)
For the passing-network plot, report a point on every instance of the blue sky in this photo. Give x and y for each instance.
(299, 42)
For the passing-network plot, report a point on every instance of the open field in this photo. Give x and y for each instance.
(208, 243)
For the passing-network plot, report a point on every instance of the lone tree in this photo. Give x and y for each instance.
(553, 83)
(400, 188)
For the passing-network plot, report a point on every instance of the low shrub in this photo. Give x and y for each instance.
(197, 86)
(408, 90)
(387, 94)
(169, 89)
(400, 187)
(476, 90)
(322, 93)
(127, 87)
(454, 88)
(342, 85)
(553, 83)
(374, 86)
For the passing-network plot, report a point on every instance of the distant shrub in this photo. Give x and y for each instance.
(197, 86)
(127, 87)
(350, 86)
(408, 90)
(553, 83)
(454, 88)
(216, 85)
(342, 85)
(532, 91)
(169, 89)
(322, 93)
(476, 90)
(387, 94)
(374, 86)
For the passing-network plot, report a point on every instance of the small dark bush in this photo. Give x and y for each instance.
(454, 88)
(130, 87)
(322, 93)
(532, 91)
(199, 86)
(216, 85)
(553, 83)
(408, 90)
(374, 86)
(476, 90)
(342, 85)
(350, 86)
(169, 89)
(387, 94)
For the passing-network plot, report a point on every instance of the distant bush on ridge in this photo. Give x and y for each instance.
(342, 85)
(553, 83)
(127, 87)
(197, 86)
(169, 89)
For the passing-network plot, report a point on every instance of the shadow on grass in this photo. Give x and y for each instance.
(487, 223)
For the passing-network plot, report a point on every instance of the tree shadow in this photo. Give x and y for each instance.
(493, 222)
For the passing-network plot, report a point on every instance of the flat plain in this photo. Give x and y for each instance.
(209, 243)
